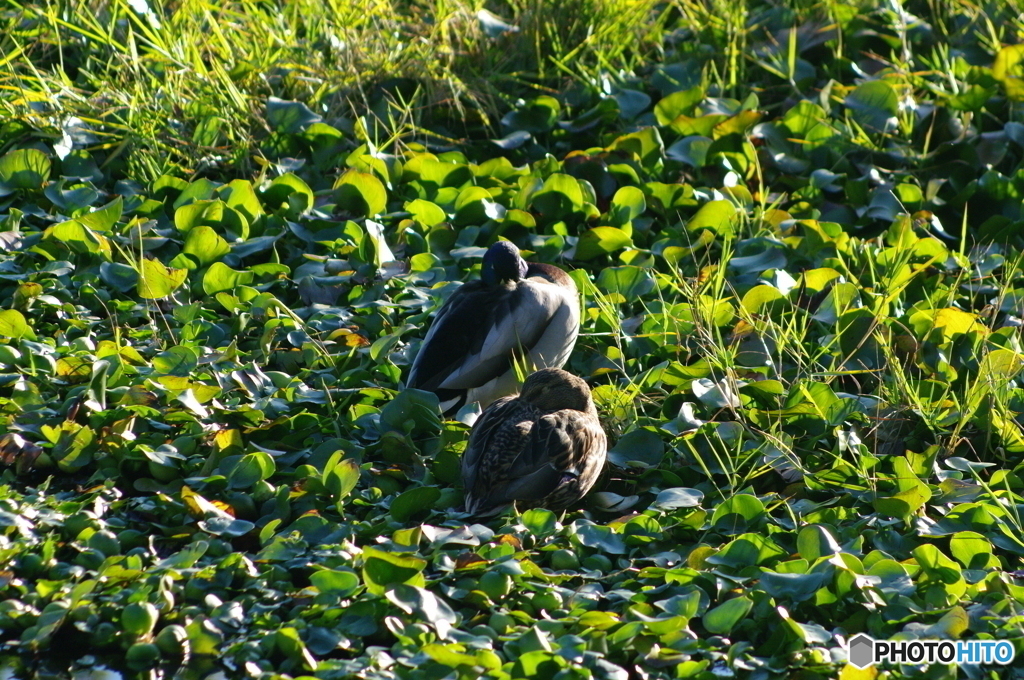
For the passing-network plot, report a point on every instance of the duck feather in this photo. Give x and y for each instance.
(468, 353)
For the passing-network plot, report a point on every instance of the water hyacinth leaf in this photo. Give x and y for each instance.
(540, 521)
(414, 501)
(226, 526)
(79, 238)
(252, 468)
(677, 104)
(628, 281)
(24, 169)
(722, 394)
(103, 219)
(640, 447)
(221, 278)
(213, 213)
(289, 117)
(360, 193)
(971, 549)
(288, 192)
(717, 216)
(600, 537)
(382, 569)
(426, 213)
(340, 583)
(628, 203)
(291, 645)
(513, 140)
(424, 604)
(205, 245)
(874, 104)
(14, 325)
(1008, 69)
(373, 248)
(794, 587)
(601, 241)
(816, 541)
(157, 281)
(723, 618)
(341, 477)
(412, 411)
(739, 510)
(536, 116)
(672, 499)
(631, 103)
(119, 276)
(560, 196)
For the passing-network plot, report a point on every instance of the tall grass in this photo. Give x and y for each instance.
(178, 87)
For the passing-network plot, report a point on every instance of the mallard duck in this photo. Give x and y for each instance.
(544, 447)
(517, 310)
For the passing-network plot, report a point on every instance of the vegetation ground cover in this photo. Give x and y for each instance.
(797, 232)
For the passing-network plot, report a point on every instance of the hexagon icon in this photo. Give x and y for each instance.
(862, 651)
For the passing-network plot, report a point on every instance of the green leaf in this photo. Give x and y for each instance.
(738, 512)
(601, 241)
(214, 213)
(340, 583)
(723, 618)
(78, 237)
(680, 497)
(794, 587)
(252, 468)
(426, 213)
(104, 218)
(874, 104)
(24, 169)
(14, 325)
(222, 278)
(678, 104)
(179, 360)
(157, 281)
(340, 477)
(537, 115)
(289, 117)
(414, 501)
(540, 521)
(717, 216)
(1008, 69)
(816, 541)
(639, 447)
(360, 193)
(559, 197)
(425, 605)
(289, 193)
(382, 569)
(205, 245)
(971, 549)
(630, 282)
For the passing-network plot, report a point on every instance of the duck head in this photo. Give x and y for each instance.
(503, 263)
(552, 389)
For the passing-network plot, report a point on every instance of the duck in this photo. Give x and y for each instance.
(542, 448)
(517, 312)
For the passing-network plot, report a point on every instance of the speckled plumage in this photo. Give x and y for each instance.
(542, 448)
(517, 310)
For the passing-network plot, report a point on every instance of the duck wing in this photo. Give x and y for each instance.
(485, 434)
(561, 461)
(474, 335)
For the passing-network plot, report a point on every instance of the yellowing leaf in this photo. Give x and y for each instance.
(1009, 70)
(157, 281)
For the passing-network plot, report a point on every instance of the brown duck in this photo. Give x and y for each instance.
(543, 448)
